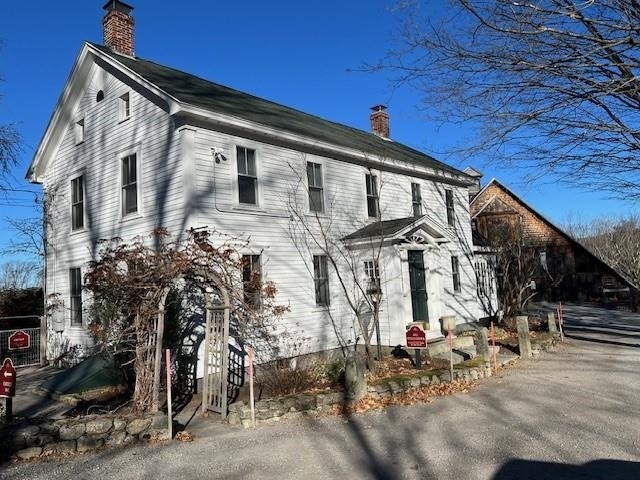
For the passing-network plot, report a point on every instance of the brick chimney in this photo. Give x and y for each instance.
(380, 121)
(117, 26)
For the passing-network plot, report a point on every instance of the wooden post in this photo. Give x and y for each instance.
(169, 410)
(450, 354)
(43, 340)
(418, 359)
(493, 347)
(251, 354)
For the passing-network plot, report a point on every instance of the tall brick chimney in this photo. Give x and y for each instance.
(117, 27)
(380, 121)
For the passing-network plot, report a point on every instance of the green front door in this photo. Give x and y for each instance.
(418, 286)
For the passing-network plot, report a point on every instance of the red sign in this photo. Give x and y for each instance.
(416, 338)
(19, 340)
(7, 379)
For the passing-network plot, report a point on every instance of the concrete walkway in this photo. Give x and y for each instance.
(571, 414)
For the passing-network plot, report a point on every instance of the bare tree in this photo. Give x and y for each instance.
(550, 84)
(516, 265)
(9, 142)
(613, 240)
(19, 275)
(356, 269)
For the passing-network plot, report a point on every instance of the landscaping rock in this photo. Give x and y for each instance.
(116, 438)
(119, 424)
(99, 425)
(138, 426)
(71, 432)
(29, 453)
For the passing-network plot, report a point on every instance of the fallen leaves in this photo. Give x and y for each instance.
(184, 436)
(409, 397)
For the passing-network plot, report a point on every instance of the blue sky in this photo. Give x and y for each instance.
(304, 55)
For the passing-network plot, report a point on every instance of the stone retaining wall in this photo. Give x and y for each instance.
(309, 405)
(28, 439)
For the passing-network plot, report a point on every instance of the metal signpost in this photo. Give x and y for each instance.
(8, 386)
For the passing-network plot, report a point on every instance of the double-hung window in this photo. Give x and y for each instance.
(372, 271)
(77, 203)
(372, 195)
(321, 279)
(448, 197)
(129, 184)
(75, 295)
(252, 280)
(247, 176)
(416, 199)
(455, 273)
(316, 190)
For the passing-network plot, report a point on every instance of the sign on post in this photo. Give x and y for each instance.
(7, 379)
(416, 336)
(19, 340)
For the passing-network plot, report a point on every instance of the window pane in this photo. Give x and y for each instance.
(241, 159)
(130, 199)
(315, 200)
(247, 190)
(251, 162)
(321, 279)
(252, 280)
(372, 207)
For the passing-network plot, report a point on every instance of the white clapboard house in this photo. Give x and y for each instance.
(133, 145)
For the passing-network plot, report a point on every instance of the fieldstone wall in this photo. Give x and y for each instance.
(310, 405)
(30, 439)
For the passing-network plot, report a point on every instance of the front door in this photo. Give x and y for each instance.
(418, 286)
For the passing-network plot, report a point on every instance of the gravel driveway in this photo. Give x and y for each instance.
(571, 414)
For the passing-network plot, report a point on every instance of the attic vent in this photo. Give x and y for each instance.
(415, 238)
(99, 96)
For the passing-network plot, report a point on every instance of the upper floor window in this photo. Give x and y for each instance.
(416, 199)
(252, 280)
(321, 279)
(372, 195)
(247, 176)
(316, 190)
(75, 295)
(79, 131)
(129, 184)
(455, 273)
(124, 107)
(77, 203)
(451, 218)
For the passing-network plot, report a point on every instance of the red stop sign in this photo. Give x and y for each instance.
(7, 379)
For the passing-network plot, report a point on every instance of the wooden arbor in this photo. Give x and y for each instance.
(216, 352)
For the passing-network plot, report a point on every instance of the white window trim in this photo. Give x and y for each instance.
(72, 325)
(84, 202)
(259, 205)
(322, 164)
(366, 197)
(316, 306)
(137, 150)
(122, 116)
(79, 131)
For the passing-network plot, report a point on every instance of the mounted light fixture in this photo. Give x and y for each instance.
(218, 154)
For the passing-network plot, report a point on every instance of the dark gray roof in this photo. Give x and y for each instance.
(217, 98)
(381, 229)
